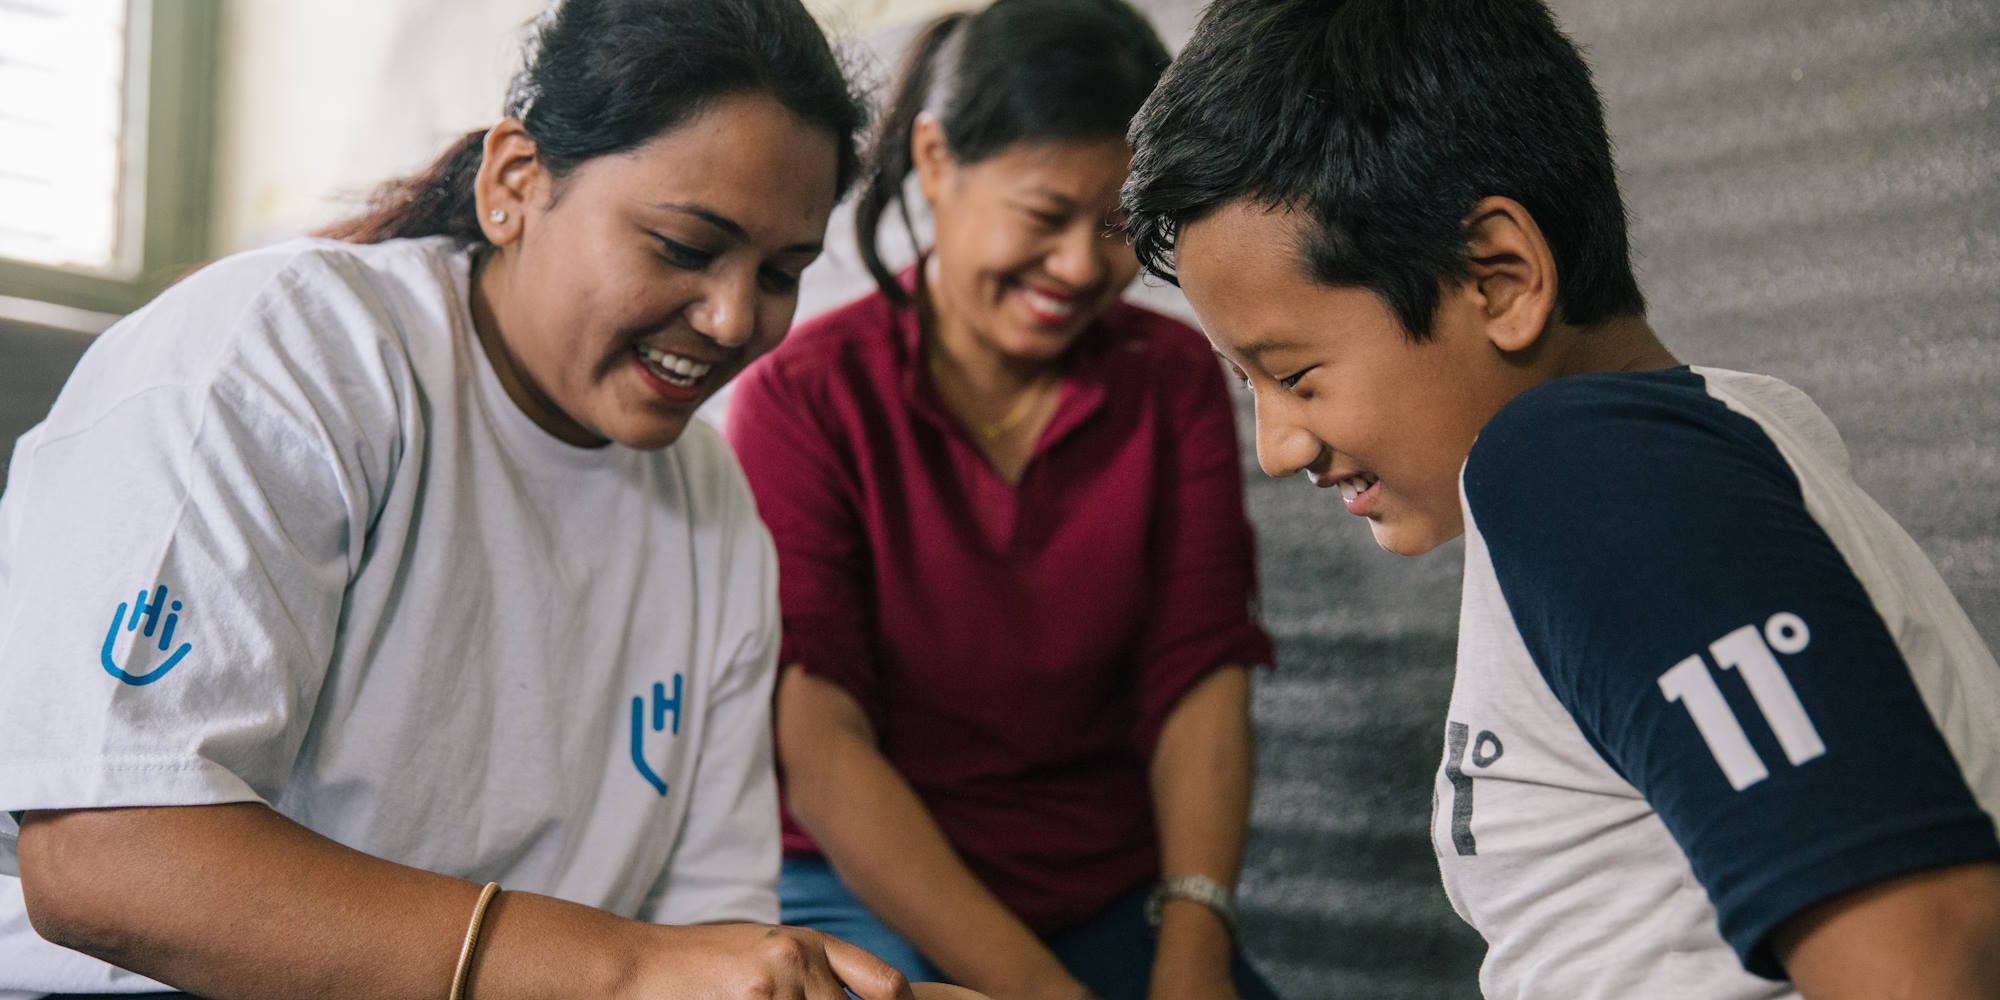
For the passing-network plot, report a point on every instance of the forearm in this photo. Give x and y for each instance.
(236, 901)
(1202, 772)
(892, 855)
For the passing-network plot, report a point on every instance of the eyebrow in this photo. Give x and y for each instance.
(1267, 345)
(1051, 194)
(731, 227)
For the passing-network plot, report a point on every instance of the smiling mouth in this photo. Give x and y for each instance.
(1353, 486)
(671, 368)
(1048, 309)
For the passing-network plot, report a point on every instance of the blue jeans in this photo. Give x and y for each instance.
(1112, 953)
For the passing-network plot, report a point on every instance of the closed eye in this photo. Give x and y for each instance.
(1046, 220)
(683, 256)
(778, 281)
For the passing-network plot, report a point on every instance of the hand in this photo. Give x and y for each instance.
(737, 961)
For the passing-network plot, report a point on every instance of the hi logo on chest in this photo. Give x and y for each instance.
(147, 609)
(655, 721)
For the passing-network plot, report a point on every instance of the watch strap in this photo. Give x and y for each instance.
(1194, 888)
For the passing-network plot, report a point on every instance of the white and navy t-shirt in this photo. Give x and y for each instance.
(1704, 682)
(285, 538)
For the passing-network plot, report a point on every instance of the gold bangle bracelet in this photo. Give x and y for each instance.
(459, 977)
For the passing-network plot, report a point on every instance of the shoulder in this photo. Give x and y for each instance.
(1170, 343)
(1168, 357)
(823, 347)
(283, 325)
(835, 368)
(1599, 438)
(322, 270)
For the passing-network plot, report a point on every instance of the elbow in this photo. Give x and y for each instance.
(65, 881)
(811, 773)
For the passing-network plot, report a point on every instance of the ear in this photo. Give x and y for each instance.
(1513, 279)
(930, 156)
(510, 181)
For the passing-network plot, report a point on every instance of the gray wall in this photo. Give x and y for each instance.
(1816, 189)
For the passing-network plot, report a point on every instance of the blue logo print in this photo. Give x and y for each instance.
(150, 610)
(661, 705)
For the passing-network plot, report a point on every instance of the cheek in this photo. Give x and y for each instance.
(1122, 265)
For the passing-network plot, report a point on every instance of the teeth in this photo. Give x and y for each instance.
(673, 367)
(1049, 306)
(1355, 485)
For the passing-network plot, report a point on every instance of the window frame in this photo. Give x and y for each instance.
(180, 65)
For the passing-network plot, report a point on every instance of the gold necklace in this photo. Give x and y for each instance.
(988, 431)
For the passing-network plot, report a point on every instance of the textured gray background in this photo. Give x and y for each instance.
(1816, 195)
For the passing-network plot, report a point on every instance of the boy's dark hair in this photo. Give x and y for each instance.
(1382, 123)
(1019, 70)
(601, 77)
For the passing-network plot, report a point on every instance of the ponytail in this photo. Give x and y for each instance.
(888, 156)
(437, 201)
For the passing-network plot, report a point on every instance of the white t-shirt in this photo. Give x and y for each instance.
(285, 538)
(1704, 682)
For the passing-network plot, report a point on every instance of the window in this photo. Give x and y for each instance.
(105, 109)
(62, 125)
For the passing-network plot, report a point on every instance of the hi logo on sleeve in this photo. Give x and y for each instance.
(149, 610)
(661, 706)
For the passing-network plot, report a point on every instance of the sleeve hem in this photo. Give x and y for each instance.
(1756, 911)
(1249, 651)
(117, 782)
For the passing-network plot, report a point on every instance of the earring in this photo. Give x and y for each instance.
(498, 215)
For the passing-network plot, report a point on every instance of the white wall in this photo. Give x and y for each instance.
(317, 103)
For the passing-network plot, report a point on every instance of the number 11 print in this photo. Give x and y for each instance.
(1748, 652)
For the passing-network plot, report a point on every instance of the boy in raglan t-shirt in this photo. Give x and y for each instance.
(1718, 728)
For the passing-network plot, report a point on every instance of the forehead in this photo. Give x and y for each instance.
(1244, 274)
(1079, 169)
(745, 157)
(1240, 268)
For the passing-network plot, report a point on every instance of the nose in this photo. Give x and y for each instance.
(1284, 446)
(727, 313)
(1078, 259)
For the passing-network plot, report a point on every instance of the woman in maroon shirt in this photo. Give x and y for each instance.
(1015, 572)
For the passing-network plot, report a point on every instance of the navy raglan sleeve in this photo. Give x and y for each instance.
(1657, 555)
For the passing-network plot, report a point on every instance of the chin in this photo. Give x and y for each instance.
(649, 435)
(1040, 344)
(1402, 540)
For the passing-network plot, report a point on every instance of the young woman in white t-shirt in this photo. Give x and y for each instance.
(428, 600)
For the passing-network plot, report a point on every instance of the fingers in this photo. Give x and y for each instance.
(796, 965)
(869, 977)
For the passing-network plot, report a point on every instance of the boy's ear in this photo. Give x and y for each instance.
(510, 180)
(1513, 275)
(929, 155)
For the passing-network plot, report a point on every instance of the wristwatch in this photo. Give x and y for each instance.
(1197, 888)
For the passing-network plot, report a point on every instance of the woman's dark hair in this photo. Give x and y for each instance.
(1020, 70)
(601, 77)
(1382, 123)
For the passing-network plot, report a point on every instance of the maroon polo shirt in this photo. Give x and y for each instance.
(1016, 646)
